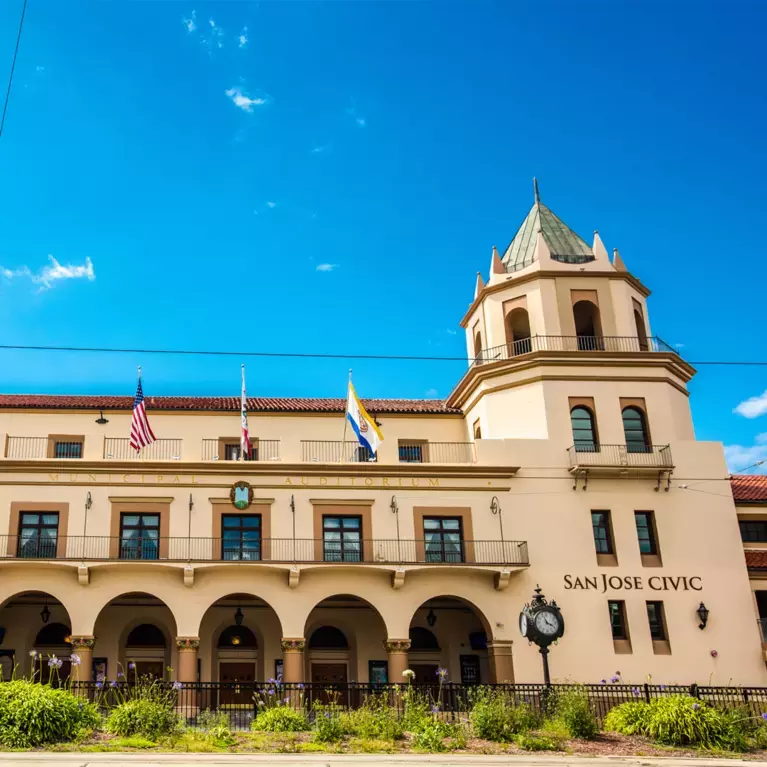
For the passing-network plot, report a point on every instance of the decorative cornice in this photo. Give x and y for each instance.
(187, 643)
(396, 645)
(293, 645)
(82, 642)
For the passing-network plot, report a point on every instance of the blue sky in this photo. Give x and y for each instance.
(197, 163)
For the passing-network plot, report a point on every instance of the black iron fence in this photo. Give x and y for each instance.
(241, 700)
(635, 455)
(254, 550)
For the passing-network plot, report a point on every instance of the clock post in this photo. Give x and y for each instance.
(541, 623)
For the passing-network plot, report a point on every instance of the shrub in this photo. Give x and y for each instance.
(536, 743)
(431, 736)
(216, 724)
(281, 719)
(494, 716)
(417, 711)
(376, 720)
(327, 724)
(628, 718)
(143, 716)
(34, 714)
(573, 711)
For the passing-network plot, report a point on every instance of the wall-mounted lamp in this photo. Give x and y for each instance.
(45, 613)
(238, 616)
(393, 505)
(703, 613)
(495, 508)
(101, 420)
(431, 618)
(191, 502)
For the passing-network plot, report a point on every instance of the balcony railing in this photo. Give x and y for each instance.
(375, 551)
(621, 456)
(436, 452)
(37, 448)
(573, 344)
(119, 449)
(323, 451)
(261, 450)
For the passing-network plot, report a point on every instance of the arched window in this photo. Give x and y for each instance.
(423, 640)
(584, 430)
(588, 326)
(145, 635)
(237, 637)
(641, 331)
(519, 332)
(53, 635)
(328, 638)
(635, 430)
(478, 348)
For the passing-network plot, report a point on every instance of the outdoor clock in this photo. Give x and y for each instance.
(541, 623)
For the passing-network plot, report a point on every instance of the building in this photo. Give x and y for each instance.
(559, 459)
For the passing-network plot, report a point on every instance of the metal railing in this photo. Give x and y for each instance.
(630, 344)
(629, 456)
(435, 452)
(365, 551)
(261, 450)
(38, 448)
(119, 449)
(239, 700)
(324, 451)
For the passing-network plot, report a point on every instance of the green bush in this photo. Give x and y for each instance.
(573, 711)
(536, 743)
(494, 716)
(327, 725)
(628, 718)
(281, 719)
(142, 716)
(376, 720)
(216, 724)
(416, 712)
(431, 736)
(34, 714)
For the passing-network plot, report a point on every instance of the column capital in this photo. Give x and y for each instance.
(82, 642)
(187, 643)
(396, 645)
(296, 644)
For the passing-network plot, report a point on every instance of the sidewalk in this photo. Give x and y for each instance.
(37, 759)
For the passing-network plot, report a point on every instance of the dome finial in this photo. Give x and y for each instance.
(535, 189)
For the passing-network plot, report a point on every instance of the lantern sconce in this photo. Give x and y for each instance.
(431, 618)
(393, 505)
(703, 613)
(238, 616)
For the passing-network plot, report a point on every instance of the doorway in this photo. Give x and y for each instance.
(329, 682)
(238, 678)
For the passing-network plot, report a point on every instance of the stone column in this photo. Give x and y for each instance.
(396, 649)
(501, 661)
(187, 658)
(83, 646)
(293, 659)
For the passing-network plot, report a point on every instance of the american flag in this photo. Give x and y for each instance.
(245, 438)
(140, 432)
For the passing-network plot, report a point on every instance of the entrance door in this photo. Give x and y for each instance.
(152, 668)
(425, 673)
(238, 679)
(329, 682)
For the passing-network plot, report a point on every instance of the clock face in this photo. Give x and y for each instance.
(523, 624)
(546, 622)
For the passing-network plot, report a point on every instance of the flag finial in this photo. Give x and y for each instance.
(139, 371)
(535, 189)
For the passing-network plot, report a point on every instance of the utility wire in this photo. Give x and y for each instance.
(304, 355)
(13, 67)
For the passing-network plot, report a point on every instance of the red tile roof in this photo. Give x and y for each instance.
(747, 488)
(756, 560)
(226, 404)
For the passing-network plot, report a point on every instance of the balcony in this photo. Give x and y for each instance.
(41, 448)
(435, 452)
(607, 344)
(621, 456)
(119, 449)
(272, 550)
(324, 451)
(221, 450)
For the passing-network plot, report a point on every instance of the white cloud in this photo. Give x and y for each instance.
(741, 457)
(271, 204)
(327, 267)
(49, 275)
(191, 22)
(361, 121)
(243, 38)
(243, 101)
(451, 332)
(753, 407)
(320, 148)
(39, 68)
(432, 393)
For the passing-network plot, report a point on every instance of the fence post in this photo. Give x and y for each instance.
(694, 693)
(646, 692)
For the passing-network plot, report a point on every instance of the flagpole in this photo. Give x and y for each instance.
(243, 448)
(346, 420)
(138, 452)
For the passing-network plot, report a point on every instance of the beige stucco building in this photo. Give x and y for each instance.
(557, 460)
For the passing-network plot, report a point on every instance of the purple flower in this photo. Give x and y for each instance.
(287, 700)
(614, 679)
(695, 706)
(119, 674)
(131, 665)
(764, 716)
(177, 685)
(270, 692)
(435, 709)
(99, 685)
(442, 673)
(74, 659)
(271, 680)
(636, 691)
(327, 715)
(603, 681)
(113, 683)
(300, 685)
(54, 662)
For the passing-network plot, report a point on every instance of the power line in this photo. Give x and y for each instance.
(304, 355)
(13, 67)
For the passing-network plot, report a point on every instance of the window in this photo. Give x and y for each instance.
(362, 454)
(38, 534)
(469, 669)
(139, 536)
(67, 449)
(477, 430)
(753, 530)
(411, 452)
(646, 532)
(635, 430)
(342, 539)
(584, 431)
(655, 618)
(241, 537)
(603, 538)
(232, 452)
(618, 619)
(443, 539)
